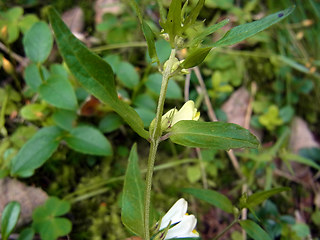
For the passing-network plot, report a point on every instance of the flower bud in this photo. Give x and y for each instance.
(7, 66)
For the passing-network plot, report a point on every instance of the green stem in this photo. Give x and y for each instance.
(226, 229)
(155, 139)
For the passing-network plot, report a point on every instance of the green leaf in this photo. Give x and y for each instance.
(216, 135)
(207, 31)
(146, 115)
(110, 123)
(26, 22)
(239, 33)
(257, 198)
(38, 42)
(9, 218)
(132, 212)
(36, 151)
(57, 90)
(26, 234)
(150, 36)
(193, 15)
(92, 72)
(196, 57)
(47, 222)
(127, 74)
(254, 230)
(64, 119)
(32, 76)
(213, 197)
(173, 24)
(33, 111)
(299, 159)
(88, 140)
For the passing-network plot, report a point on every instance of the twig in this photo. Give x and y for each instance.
(186, 87)
(203, 170)
(212, 115)
(23, 61)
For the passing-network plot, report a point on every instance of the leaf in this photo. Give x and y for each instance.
(89, 140)
(172, 26)
(241, 32)
(257, 198)
(207, 31)
(132, 212)
(33, 111)
(64, 119)
(216, 135)
(36, 151)
(127, 75)
(9, 218)
(147, 32)
(193, 15)
(254, 230)
(213, 197)
(32, 76)
(150, 36)
(146, 115)
(38, 42)
(92, 72)
(300, 159)
(47, 222)
(26, 234)
(57, 90)
(196, 57)
(27, 21)
(110, 123)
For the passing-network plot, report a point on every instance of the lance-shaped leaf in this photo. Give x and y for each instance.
(239, 33)
(132, 212)
(254, 230)
(196, 57)
(207, 31)
(9, 219)
(36, 151)
(213, 197)
(215, 135)
(172, 26)
(150, 36)
(257, 198)
(147, 32)
(92, 72)
(193, 15)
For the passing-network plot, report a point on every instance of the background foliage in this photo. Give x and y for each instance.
(87, 144)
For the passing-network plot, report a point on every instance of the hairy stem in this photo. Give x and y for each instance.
(154, 140)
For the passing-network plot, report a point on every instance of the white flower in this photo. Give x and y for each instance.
(187, 112)
(183, 225)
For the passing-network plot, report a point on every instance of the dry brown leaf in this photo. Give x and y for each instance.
(236, 106)
(28, 197)
(74, 19)
(301, 136)
(106, 6)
